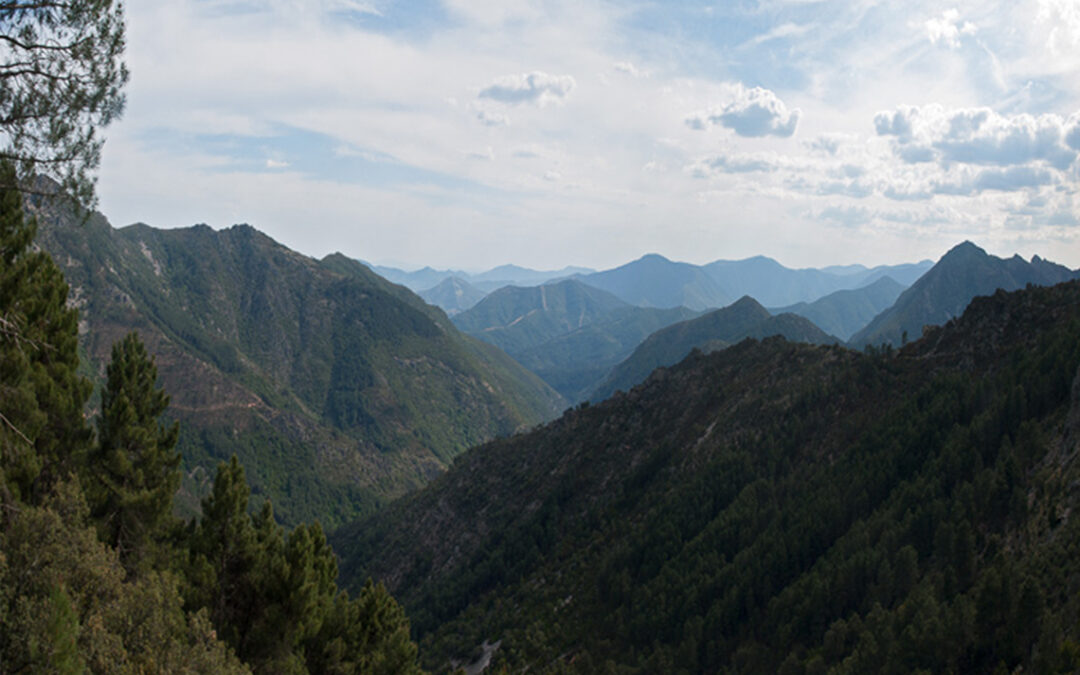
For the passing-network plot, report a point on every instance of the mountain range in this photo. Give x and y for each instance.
(655, 281)
(428, 278)
(770, 507)
(338, 389)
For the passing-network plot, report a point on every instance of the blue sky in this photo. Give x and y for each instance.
(471, 134)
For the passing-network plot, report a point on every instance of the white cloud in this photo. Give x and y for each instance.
(276, 164)
(629, 68)
(978, 136)
(492, 119)
(948, 28)
(535, 87)
(355, 6)
(751, 112)
(1063, 17)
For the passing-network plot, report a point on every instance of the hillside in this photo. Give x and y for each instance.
(576, 363)
(452, 295)
(963, 273)
(772, 507)
(568, 333)
(337, 389)
(715, 330)
(844, 312)
(655, 281)
(514, 318)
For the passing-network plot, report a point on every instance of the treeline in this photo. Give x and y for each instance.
(96, 573)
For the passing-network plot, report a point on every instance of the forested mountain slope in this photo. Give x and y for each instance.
(336, 388)
(514, 318)
(711, 331)
(945, 290)
(843, 313)
(568, 333)
(772, 507)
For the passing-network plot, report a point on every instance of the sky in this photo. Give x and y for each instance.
(469, 134)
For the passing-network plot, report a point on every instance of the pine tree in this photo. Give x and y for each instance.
(43, 435)
(133, 471)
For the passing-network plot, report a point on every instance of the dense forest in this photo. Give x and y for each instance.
(96, 573)
(772, 507)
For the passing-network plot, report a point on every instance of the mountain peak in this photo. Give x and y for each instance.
(964, 250)
(746, 302)
(653, 257)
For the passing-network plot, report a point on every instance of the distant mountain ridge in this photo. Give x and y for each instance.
(842, 313)
(568, 332)
(964, 272)
(709, 332)
(427, 278)
(772, 284)
(337, 389)
(655, 281)
(452, 295)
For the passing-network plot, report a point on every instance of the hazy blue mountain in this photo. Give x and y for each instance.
(453, 295)
(905, 274)
(709, 332)
(655, 281)
(774, 285)
(844, 312)
(503, 275)
(515, 318)
(336, 388)
(512, 275)
(943, 293)
(568, 333)
(574, 364)
(417, 280)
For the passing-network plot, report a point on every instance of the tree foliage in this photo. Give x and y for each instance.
(42, 430)
(133, 471)
(61, 79)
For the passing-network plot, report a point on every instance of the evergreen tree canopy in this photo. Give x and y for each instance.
(133, 470)
(61, 77)
(42, 430)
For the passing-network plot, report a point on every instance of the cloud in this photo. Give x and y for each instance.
(629, 68)
(276, 164)
(740, 163)
(1064, 17)
(784, 30)
(753, 112)
(948, 28)
(492, 119)
(1012, 179)
(1072, 131)
(848, 216)
(979, 136)
(535, 87)
(355, 6)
